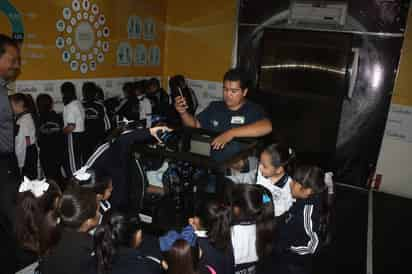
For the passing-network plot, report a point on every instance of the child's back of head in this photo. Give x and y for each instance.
(307, 180)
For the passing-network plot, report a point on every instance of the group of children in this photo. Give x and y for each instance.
(271, 226)
(68, 140)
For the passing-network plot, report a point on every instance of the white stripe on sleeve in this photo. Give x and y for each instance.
(311, 246)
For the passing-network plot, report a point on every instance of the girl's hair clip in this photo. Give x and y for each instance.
(37, 187)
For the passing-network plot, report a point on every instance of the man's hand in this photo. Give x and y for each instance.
(220, 141)
(153, 131)
(181, 104)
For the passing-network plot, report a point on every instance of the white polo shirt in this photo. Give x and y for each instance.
(281, 193)
(26, 128)
(73, 113)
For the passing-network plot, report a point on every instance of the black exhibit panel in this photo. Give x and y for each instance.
(302, 81)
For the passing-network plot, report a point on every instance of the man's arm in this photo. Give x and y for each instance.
(256, 129)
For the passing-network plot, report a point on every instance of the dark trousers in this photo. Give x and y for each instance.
(30, 163)
(73, 159)
(51, 161)
(9, 183)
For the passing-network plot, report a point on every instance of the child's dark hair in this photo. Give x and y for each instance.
(216, 218)
(139, 87)
(310, 176)
(182, 258)
(128, 89)
(281, 156)
(36, 219)
(119, 231)
(255, 204)
(77, 205)
(20, 98)
(99, 93)
(154, 82)
(89, 91)
(68, 91)
(44, 103)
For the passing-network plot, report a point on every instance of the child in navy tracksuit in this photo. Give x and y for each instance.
(50, 135)
(73, 122)
(298, 229)
(115, 158)
(211, 222)
(96, 120)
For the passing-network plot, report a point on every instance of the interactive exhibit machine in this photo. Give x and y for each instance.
(181, 171)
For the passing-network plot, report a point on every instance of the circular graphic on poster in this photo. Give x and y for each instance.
(15, 19)
(154, 56)
(82, 30)
(141, 55)
(124, 54)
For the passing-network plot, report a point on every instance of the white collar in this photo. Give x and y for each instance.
(201, 233)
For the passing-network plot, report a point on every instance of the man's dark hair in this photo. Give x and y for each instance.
(6, 41)
(237, 74)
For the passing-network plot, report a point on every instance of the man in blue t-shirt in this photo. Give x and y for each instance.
(233, 117)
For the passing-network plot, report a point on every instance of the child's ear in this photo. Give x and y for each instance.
(99, 197)
(164, 265)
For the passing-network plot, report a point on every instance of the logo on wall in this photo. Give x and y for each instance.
(83, 36)
(134, 27)
(141, 55)
(124, 54)
(149, 29)
(154, 56)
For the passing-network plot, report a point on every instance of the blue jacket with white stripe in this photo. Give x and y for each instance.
(298, 231)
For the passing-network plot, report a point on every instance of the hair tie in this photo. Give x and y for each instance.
(37, 187)
(82, 174)
(188, 234)
(265, 198)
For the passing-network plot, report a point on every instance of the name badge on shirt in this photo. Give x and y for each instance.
(238, 120)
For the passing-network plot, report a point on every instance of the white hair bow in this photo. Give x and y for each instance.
(82, 174)
(36, 187)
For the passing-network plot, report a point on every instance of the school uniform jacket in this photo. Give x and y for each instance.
(73, 254)
(130, 260)
(223, 262)
(297, 231)
(114, 158)
(96, 120)
(25, 128)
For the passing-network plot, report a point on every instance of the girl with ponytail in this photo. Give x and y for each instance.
(253, 226)
(36, 219)
(212, 222)
(117, 247)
